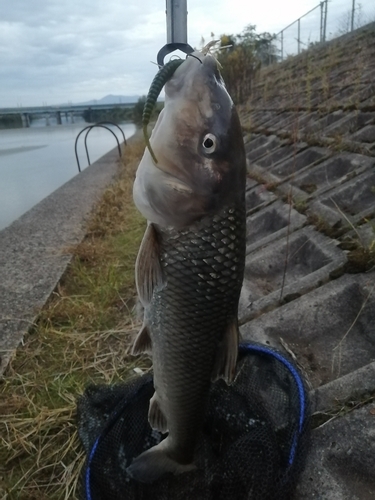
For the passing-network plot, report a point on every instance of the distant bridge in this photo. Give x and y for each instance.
(69, 110)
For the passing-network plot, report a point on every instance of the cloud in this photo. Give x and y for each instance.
(68, 50)
(73, 50)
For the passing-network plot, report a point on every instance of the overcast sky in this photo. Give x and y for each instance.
(57, 51)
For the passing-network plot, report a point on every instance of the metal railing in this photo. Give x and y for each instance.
(327, 20)
(88, 130)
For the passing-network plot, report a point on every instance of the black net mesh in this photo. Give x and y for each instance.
(252, 445)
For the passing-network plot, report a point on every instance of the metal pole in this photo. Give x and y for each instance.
(321, 21)
(325, 21)
(282, 45)
(353, 10)
(176, 11)
(299, 36)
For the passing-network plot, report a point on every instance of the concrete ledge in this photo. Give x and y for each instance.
(33, 253)
(354, 386)
(271, 223)
(351, 201)
(329, 331)
(340, 464)
(312, 259)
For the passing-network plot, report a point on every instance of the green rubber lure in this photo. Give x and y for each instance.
(161, 78)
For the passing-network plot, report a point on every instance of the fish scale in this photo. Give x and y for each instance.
(191, 311)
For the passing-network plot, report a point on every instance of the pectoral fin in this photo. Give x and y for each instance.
(148, 272)
(226, 356)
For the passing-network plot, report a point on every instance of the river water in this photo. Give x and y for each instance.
(36, 161)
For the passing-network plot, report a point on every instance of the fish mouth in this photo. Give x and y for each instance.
(197, 72)
(209, 68)
(196, 104)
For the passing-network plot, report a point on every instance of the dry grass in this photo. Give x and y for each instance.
(82, 336)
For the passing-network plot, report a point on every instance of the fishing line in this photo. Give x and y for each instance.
(195, 57)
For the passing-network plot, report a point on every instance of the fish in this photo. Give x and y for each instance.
(190, 265)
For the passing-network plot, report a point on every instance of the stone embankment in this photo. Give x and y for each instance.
(310, 267)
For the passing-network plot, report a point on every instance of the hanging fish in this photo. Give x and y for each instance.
(190, 265)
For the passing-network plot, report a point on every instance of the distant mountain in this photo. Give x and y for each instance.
(112, 99)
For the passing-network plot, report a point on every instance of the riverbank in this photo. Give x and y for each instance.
(81, 336)
(10, 121)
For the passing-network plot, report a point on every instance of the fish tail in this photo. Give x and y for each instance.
(154, 463)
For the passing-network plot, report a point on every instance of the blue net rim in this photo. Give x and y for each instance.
(247, 348)
(244, 349)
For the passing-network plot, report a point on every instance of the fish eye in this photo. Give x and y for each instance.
(209, 143)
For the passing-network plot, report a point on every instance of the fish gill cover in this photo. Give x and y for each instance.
(252, 445)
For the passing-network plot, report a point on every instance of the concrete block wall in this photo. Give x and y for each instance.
(310, 143)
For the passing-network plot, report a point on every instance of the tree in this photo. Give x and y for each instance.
(138, 110)
(260, 43)
(241, 61)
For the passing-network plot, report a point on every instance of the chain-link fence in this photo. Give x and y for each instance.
(327, 20)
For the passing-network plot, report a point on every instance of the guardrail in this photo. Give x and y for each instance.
(88, 130)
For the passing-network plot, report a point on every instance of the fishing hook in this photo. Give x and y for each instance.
(171, 47)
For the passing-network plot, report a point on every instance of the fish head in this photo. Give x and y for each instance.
(198, 143)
